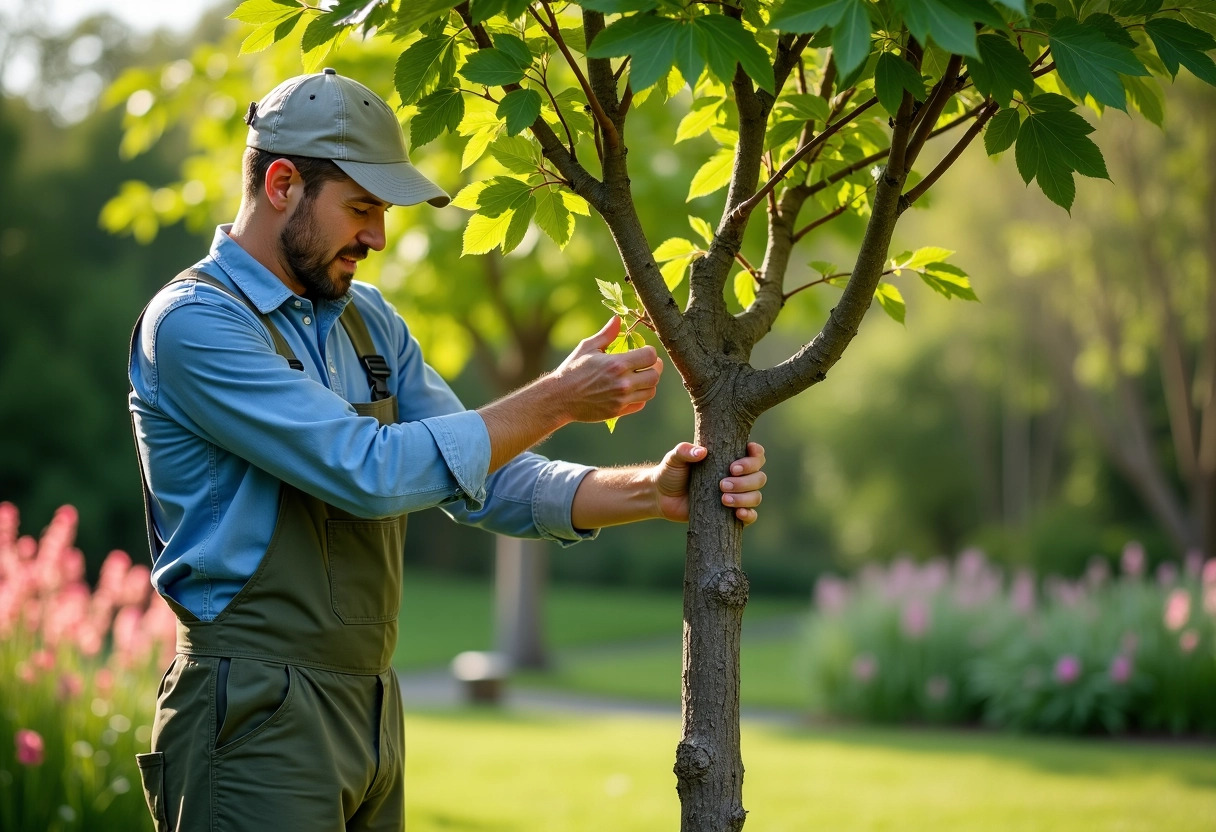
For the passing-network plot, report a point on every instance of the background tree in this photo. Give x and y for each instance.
(818, 105)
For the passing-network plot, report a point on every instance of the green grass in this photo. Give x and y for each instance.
(443, 615)
(480, 771)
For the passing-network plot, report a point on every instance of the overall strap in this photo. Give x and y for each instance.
(361, 339)
(280, 343)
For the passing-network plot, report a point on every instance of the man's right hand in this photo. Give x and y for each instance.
(589, 386)
(600, 386)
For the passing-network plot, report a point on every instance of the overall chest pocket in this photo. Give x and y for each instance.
(365, 569)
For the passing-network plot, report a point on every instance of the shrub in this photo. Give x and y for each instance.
(78, 675)
(959, 644)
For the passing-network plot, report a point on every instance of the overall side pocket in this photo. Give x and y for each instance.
(152, 778)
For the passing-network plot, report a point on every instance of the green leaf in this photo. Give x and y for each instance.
(892, 76)
(572, 105)
(614, 297)
(690, 50)
(518, 226)
(823, 267)
(484, 234)
(674, 247)
(806, 106)
(1113, 29)
(702, 116)
(321, 36)
(1128, 8)
(520, 108)
(712, 175)
(439, 111)
(1002, 132)
(515, 153)
(946, 22)
(492, 67)
(745, 289)
(1146, 96)
(782, 131)
(502, 194)
(482, 10)
(268, 33)
(514, 48)
(469, 195)
(650, 40)
(704, 230)
(1050, 102)
(553, 217)
(891, 301)
(851, 38)
(419, 67)
(916, 260)
(1090, 64)
(673, 271)
(1018, 6)
(1178, 43)
(948, 280)
(619, 6)
(260, 12)
(414, 13)
(727, 36)
(1050, 146)
(1000, 70)
(576, 204)
(809, 15)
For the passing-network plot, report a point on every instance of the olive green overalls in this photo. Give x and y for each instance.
(283, 711)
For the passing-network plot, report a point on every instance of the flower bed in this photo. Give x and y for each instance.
(960, 643)
(78, 675)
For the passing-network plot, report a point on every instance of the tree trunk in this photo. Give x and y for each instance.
(520, 569)
(709, 766)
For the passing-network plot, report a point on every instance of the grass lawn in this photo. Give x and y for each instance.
(481, 771)
(443, 615)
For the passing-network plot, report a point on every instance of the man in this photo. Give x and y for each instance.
(286, 423)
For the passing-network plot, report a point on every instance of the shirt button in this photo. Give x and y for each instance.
(307, 320)
(299, 304)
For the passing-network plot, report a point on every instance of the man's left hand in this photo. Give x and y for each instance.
(740, 490)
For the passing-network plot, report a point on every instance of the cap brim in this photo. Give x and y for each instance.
(397, 183)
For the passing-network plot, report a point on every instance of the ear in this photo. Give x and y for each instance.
(280, 177)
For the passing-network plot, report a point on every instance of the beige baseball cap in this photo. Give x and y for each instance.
(328, 116)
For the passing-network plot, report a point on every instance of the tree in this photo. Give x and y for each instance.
(824, 106)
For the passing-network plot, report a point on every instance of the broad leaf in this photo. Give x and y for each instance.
(321, 36)
(619, 6)
(1146, 96)
(745, 289)
(920, 258)
(1177, 43)
(520, 108)
(675, 247)
(712, 175)
(516, 154)
(691, 47)
(726, 36)
(484, 234)
(703, 115)
(809, 15)
(502, 194)
(493, 68)
(518, 227)
(947, 22)
(468, 196)
(1001, 132)
(704, 230)
(439, 111)
(673, 271)
(269, 33)
(892, 76)
(514, 48)
(261, 12)
(805, 106)
(419, 67)
(948, 280)
(1000, 70)
(891, 301)
(613, 297)
(1050, 146)
(1127, 8)
(851, 40)
(1090, 64)
(414, 13)
(553, 217)
(650, 40)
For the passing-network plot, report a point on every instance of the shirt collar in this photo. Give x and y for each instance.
(263, 288)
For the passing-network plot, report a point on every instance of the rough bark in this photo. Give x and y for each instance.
(709, 765)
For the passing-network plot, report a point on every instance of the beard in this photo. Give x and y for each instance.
(308, 259)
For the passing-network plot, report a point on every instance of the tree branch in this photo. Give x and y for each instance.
(987, 112)
(601, 117)
(828, 217)
(926, 119)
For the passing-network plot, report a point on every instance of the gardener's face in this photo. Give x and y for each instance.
(328, 234)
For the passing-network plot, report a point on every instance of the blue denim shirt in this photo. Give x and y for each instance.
(220, 419)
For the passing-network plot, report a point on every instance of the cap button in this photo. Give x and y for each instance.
(329, 70)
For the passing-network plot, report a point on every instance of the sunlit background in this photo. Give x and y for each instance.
(989, 516)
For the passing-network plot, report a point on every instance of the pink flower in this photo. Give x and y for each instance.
(43, 659)
(1188, 641)
(1097, 572)
(1193, 561)
(1209, 600)
(831, 595)
(1120, 668)
(26, 673)
(1021, 594)
(937, 688)
(1068, 669)
(1209, 572)
(865, 668)
(1167, 573)
(30, 751)
(915, 619)
(103, 681)
(1133, 559)
(1177, 609)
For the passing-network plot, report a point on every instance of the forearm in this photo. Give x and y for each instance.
(612, 496)
(521, 419)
